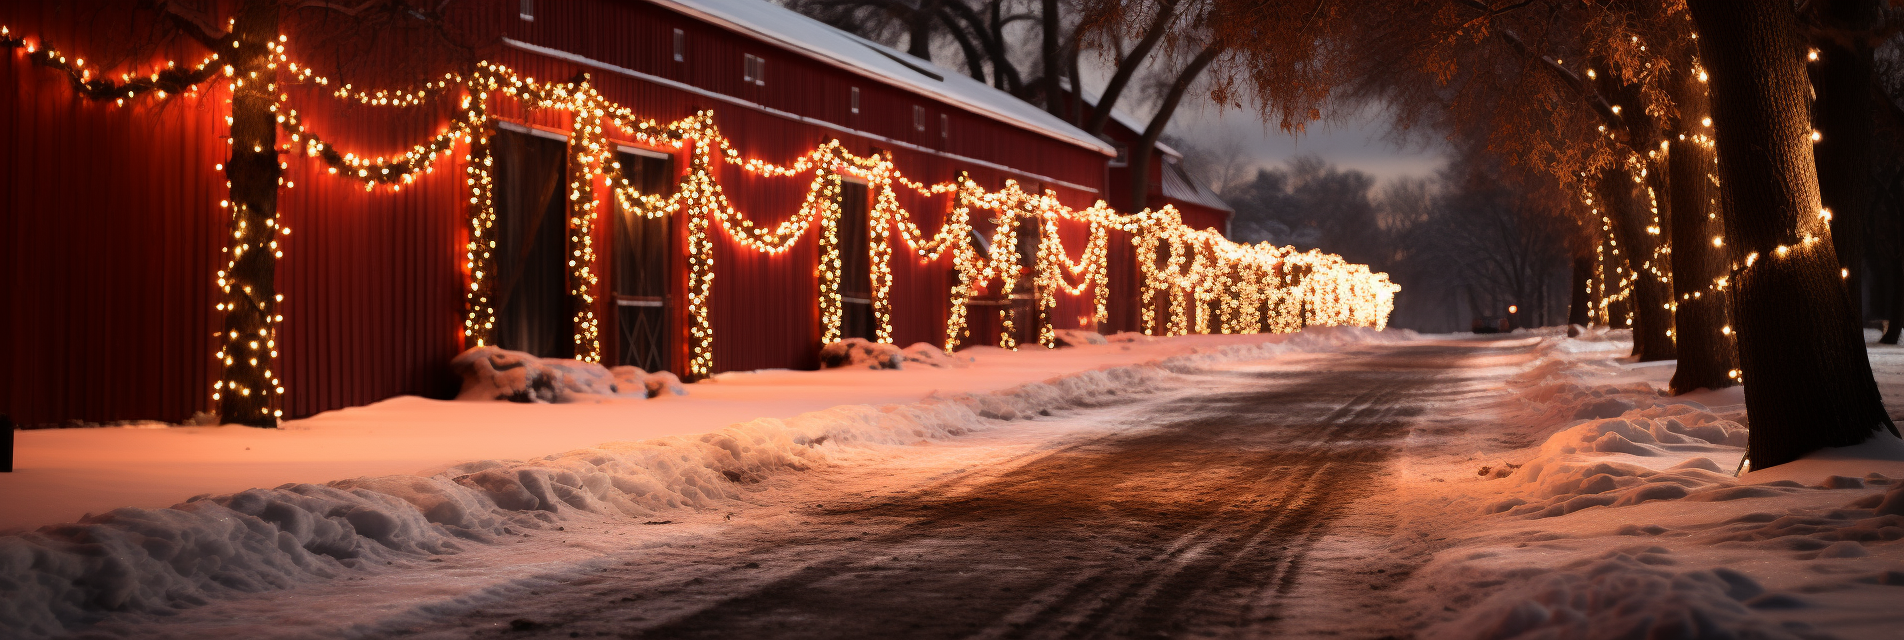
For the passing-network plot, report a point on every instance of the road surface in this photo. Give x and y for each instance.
(1199, 513)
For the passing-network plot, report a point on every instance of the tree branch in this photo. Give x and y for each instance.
(1127, 67)
(1585, 91)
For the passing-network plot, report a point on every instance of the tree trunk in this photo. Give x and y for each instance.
(1701, 325)
(1141, 153)
(1049, 56)
(1889, 221)
(1652, 319)
(919, 31)
(1808, 381)
(247, 386)
(1842, 115)
(1580, 301)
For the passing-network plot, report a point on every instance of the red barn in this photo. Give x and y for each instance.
(113, 228)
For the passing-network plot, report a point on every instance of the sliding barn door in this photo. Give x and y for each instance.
(643, 274)
(856, 274)
(533, 307)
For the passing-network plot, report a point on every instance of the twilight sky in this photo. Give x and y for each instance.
(1357, 144)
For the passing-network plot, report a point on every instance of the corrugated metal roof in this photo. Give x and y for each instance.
(1180, 186)
(779, 25)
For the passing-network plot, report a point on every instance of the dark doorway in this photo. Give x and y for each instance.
(642, 273)
(534, 312)
(1027, 316)
(856, 274)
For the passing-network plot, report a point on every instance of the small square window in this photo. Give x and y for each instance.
(680, 45)
(855, 99)
(527, 10)
(756, 71)
(918, 118)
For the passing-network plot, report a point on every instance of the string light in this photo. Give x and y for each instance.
(1256, 287)
(1253, 287)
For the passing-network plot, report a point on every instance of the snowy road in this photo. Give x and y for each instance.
(1192, 513)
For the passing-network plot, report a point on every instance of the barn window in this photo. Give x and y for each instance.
(855, 99)
(528, 10)
(918, 118)
(945, 126)
(680, 45)
(756, 71)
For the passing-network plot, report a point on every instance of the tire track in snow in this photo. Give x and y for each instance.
(1202, 524)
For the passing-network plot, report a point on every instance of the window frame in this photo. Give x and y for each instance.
(754, 70)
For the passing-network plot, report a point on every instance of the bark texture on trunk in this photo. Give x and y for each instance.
(1807, 381)
(1706, 353)
(1626, 204)
(247, 386)
(1842, 115)
(1890, 222)
(1580, 301)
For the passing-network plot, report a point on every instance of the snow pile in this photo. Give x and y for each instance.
(1079, 337)
(1556, 390)
(1623, 596)
(1555, 553)
(493, 373)
(859, 353)
(931, 355)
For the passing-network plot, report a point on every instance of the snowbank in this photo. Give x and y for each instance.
(860, 353)
(1627, 520)
(158, 560)
(493, 373)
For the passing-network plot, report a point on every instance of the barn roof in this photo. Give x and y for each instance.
(784, 27)
(1179, 185)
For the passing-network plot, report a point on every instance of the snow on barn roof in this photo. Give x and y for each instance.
(1179, 185)
(1122, 117)
(779, 25)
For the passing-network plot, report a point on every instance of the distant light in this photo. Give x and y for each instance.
(1513, 309)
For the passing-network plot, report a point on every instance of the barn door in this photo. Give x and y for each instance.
(642, 274)
(856, 274)
(533, 307)
(1027, 316)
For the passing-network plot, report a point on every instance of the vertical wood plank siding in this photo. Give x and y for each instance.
(112, 231)
(109, 236)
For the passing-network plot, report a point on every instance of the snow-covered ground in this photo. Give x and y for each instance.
(1597, 508)
(447, 483)
(63, 474)
(1532, 486)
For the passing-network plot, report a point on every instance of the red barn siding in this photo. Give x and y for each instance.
(372, 281)
(112, 230)
(109, 236)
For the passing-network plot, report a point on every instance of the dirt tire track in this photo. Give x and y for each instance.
(1198, 525)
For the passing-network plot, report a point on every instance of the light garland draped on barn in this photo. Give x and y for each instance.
(1203, 282)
